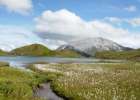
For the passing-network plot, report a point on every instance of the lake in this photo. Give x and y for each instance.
(22, 61)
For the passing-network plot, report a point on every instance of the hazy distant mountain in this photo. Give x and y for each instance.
(92, 45)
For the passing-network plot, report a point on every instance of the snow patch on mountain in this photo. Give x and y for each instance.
(91, 45)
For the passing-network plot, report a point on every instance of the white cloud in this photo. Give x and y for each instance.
(64, 22)
(113, 20)
(12, 37)
(20, 6)
(131, 8)
(119, 35)
(134, 21)
(131, 21)
(54, 44)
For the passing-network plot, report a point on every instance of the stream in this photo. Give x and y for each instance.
(46, 92)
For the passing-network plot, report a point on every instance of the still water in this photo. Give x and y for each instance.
(21, 61)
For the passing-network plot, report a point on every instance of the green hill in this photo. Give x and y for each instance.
(32, 50)
(67, 53)
(132, 54)
(3, 53)
(40, 50)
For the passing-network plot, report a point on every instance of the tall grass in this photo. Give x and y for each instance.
(16, 84)
(96, 81)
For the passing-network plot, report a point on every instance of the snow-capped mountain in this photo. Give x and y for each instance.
(91, 45)
(69, 47)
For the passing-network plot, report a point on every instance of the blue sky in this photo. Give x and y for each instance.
(89, 9)
(86, 9)
(112, 19)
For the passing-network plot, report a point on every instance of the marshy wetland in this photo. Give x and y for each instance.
(103, 80)
(94, 81)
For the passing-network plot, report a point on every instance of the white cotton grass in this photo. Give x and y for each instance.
(97, 81)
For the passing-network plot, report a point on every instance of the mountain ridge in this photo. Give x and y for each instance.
(91, 45)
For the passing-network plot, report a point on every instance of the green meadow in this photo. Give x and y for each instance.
(16, 84)
(118, 81)
(100, 81)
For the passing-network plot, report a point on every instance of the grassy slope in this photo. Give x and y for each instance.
(18, 85)
(40, 50)
(133, 54)
(67, 53)
(3, 53)
(32, 50)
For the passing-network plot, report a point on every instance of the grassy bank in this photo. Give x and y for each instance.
(18, 85)
(94, 81)
(132, 55)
